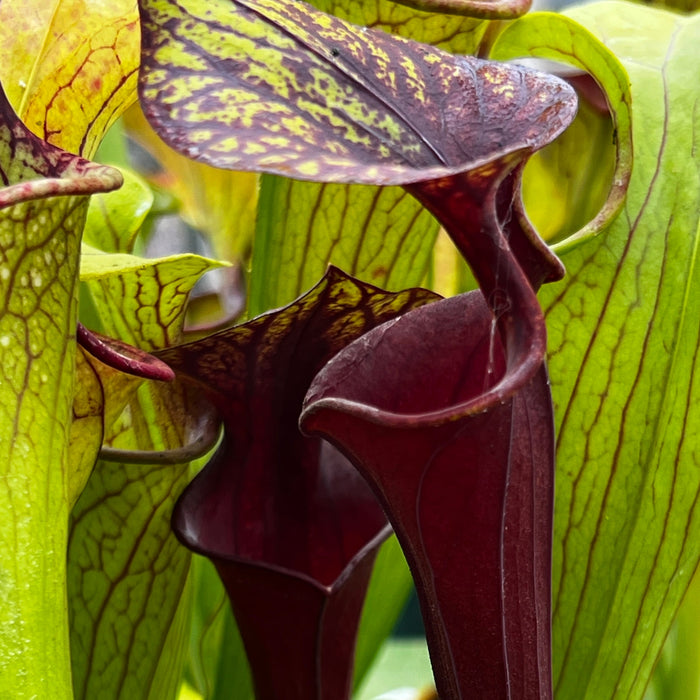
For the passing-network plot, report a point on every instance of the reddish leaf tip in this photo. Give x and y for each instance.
(124, 357)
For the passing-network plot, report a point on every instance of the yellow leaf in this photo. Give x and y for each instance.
(72, 66)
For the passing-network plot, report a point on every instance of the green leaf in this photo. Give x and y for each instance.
(564, 185)
(486, 9)
(114, 220)
(388, 591)
(677, 672)
(129, 600)
(403, 666)
(682, 5)
(87, 426)
(216, 659)
(380, 235)
(43, 204)
(449, 32)
(127, 574)
(624, 334)
(142, 300)
(554, 36)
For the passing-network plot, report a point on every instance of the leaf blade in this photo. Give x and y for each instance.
(626, 483)
(320, 99)
(72, 70)
(128, 583)
(43, 202)
(560, 38)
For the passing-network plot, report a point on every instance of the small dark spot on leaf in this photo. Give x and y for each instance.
(335, 52)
